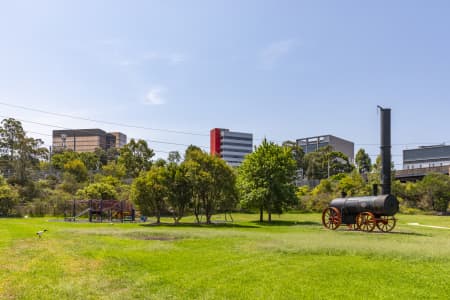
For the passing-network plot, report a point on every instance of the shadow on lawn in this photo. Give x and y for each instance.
(285, 223)
(401, 233)
(201, 225)
(388, 233)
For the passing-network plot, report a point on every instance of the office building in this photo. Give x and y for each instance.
(426, 157)
(312, 144)
(120, 139)
(86, 140)
(231, 146)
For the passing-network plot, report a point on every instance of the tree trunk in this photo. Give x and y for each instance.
(269, 212)
(196, 213)
(261, 214)
(158, 217)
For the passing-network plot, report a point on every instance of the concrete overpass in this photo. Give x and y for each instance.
(419, 174)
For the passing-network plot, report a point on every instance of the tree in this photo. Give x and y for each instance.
(297, 153)
(363, 161)
(114, 169)
(435, 189)
(91, 160)
(8, 198)
(77, 168)
(212, 180)
(159, 162)
(299, 157)
(174, 157)
(98, 190)
(136, 156)
(149, 191)
(179, 190)
(189, 150)
(353, 184)
(265, 179)
(11, 133)
(21, 152)
(325, 163)
(60, 159)
(69, 184)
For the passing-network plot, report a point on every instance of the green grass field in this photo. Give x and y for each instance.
(293, 259)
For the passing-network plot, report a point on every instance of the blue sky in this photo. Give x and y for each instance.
(280, 69)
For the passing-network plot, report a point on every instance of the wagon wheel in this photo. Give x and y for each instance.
(386, 223)
(353, 226)
(331, 218)
(366, 221)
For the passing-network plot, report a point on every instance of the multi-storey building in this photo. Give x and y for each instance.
(312, 144)
(120, 139)
(86, 140)
(231, 146)
(426, 157)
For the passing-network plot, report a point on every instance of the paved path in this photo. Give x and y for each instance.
(429, 226)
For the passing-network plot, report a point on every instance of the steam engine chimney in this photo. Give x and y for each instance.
(386, 158)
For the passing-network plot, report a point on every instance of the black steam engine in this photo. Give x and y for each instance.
(366, 213)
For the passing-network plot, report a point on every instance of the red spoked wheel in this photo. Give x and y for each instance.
(331, 218)
(366, 221)
(353, 227)
(386, 223)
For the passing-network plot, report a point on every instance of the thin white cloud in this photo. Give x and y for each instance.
(274, 52)
(155, 96)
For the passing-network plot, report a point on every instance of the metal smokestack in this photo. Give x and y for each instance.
(386, 158)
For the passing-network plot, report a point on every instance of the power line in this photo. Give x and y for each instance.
(81, 130)
(118, 123)
(102, 121)
(170, 130)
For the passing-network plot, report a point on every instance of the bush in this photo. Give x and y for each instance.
(315, 203)
(8, 198)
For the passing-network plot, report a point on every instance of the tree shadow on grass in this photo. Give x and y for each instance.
(389, 233)
(402, 233)
(201, 225)
(285, 223)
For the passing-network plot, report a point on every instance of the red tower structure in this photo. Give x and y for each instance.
(215, 141)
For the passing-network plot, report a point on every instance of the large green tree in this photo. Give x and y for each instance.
(22, 153)
(179, 190)
(266, 179)
(213, 183)
(149, 190)
(325, 163)
(136, 156)
(11, 134)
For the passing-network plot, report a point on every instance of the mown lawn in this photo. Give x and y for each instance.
(293, 259)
